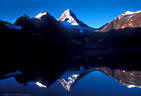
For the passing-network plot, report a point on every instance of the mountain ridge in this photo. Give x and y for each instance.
(70, 21)
(126, 19)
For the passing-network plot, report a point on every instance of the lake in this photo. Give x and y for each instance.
(97, 82)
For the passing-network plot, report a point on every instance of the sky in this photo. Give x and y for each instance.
(94, 13)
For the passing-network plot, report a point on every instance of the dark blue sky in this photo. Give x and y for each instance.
(95, 13)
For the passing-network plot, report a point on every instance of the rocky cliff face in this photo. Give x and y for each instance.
(127, 19)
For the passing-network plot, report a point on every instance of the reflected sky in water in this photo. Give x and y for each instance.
(95, 83)
(99, 84)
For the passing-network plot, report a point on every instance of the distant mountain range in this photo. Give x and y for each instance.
(127, 19)
(70, 21)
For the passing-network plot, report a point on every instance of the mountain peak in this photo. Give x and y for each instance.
(69, 20)
(68, 11)
(69, 17)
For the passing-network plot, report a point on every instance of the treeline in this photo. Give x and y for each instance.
(122, 38)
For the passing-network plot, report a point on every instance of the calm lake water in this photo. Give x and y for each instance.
(95, 83)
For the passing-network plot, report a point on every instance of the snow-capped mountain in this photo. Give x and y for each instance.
(41, 22)
(127, 19)
(69, 20)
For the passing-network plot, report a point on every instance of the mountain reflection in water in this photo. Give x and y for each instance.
(100, 81)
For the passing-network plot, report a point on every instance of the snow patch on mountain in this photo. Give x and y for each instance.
(130, 12)
(68, 82)
(40, 15)
(70, 20)
(14, 26)
(70, 26)
(40, 85)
